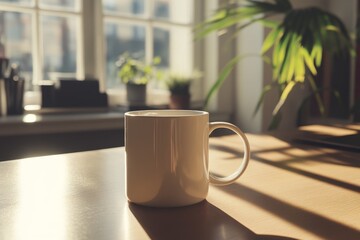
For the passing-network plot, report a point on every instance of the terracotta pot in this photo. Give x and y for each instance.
(136, 94)
(178, 101)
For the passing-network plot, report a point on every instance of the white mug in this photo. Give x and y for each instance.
(167, 157)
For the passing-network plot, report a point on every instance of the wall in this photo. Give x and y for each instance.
(249, 79)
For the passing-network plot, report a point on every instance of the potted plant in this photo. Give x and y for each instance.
(296, 44)
(136, 75)
(179, 87)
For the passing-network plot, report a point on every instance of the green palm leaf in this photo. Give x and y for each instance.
(285, 93)
(265, 90)
(309, 61)
(299, 67)
(296, 43)
(231, 15)
(270, 40)
(223, 75)
(305, 35)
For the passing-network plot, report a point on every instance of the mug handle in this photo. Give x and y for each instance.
(221, 181)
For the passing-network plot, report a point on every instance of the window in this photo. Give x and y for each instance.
(43, 37)
(147, 29)
(49, 39)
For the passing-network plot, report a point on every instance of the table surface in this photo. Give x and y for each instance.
(289, 191)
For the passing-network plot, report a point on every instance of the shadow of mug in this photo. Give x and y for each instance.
(199, 221)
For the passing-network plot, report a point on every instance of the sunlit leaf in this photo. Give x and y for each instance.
(309, 61)
(293, 55)
(269, 23)
(276, 52)
(219, 25)
(299, 67)
(284, 67)
(332, 28)
(279, 57)
(270, 40)
(317, 51)
(283, 97)
(230, 15)
(261, 19)
(283, 48)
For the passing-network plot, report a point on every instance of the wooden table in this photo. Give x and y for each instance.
(288, 192)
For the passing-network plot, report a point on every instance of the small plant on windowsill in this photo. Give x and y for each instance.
(179, 87)
(136, 75)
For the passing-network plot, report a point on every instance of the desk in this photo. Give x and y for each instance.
(35, 134)
(288, 192)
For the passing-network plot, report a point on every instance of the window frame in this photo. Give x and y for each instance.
(37, 51)
(90, 37)
(139, 20)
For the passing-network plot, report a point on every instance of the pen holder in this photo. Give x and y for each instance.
(15, 96)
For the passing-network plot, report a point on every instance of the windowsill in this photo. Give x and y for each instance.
(65, 120)
(75, 120)
(71, 120)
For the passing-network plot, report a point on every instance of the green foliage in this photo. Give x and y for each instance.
(134, 71)
(296, 43)
(180, 83)
(223, 76)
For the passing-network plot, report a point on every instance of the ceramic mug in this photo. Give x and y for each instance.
(167, 157)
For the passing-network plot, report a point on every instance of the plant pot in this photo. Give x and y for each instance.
(136, 94)
(179, 101)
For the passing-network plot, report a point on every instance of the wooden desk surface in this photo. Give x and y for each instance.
(288, 192)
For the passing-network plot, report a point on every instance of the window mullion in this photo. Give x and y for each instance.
(149, 51)
(99, 44)
(37, 49)
(80, 71)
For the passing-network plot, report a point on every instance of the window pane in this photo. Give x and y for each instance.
(65, 4)
(59, 46)
(161, 9)
(121, 38)
(27, 2)
(161, 46)
(174, 11)
(135, 7)
(15, 41)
